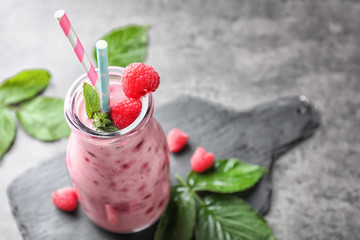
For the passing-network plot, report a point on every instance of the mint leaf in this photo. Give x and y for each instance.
(7, 129)
(103, 123)
(23, 85)
(178, 220)
(126, 45)
(92, 101)
(226, 176)
(43, 118)
(225, 217)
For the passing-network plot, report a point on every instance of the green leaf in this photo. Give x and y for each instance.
(178, 220)
(7, 129)
(24, 85)
(231, 218)
(226, 176)
(43, 118)
(92, 101)
(103, 123)
(126, 45)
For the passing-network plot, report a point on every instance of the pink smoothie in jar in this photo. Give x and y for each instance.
(121, 178)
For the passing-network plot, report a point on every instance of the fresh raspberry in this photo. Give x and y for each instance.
(65, 199)
(201, 160)
(125, 112)
(176, 140)
(139, 79)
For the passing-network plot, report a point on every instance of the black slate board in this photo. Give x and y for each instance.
(257, 136)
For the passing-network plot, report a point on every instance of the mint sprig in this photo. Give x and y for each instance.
(42, 118)
(216, 216)
(102, 121)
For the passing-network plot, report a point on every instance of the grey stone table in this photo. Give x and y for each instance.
(238, 53)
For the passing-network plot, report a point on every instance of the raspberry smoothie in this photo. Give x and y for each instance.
(121, 178)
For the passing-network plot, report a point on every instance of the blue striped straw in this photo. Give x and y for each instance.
(102, 59)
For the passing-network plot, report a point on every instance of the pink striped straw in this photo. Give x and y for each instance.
(69, 31)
